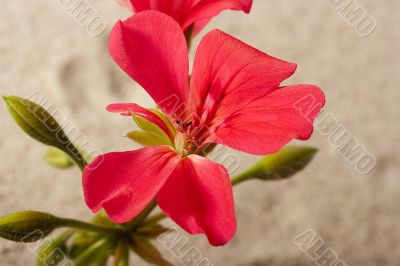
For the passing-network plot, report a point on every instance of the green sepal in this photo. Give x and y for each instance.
(283, 164)
(150, 127)
(166, 121)
(150, 134)
(146, 138)
(101, 218)
(146, 125)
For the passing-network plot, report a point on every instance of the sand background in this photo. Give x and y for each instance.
(44, 49)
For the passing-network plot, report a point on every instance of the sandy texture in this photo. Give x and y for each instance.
(43, 48)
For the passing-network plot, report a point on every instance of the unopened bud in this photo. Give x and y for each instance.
(28, 226)
(283, 164)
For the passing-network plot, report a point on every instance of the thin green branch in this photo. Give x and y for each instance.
(92, 227)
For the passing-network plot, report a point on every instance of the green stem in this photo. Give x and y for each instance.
(242, 177)
(99, 248)
(121, 255)
(125, 259)
(75, 155)
(92, 227)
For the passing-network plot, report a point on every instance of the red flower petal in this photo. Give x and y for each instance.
(198, 197)
(268, 123)
(228, 74)
(151, 48)
(207, 9)
(142, 5)
(124, 183)
(188, 12)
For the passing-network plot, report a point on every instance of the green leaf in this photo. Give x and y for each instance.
(28, 226)
(57, 158)
(41, 126)
(54, 252)
(151, 230)
(283, 164)
(148, 252)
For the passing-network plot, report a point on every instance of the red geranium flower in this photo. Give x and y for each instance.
(187, 13)
(233, 98)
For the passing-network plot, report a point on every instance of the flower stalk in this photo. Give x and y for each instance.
(119, 231)
(121, 257)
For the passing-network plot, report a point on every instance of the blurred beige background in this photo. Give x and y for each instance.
(43, 48)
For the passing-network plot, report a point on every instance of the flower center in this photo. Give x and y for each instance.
(184, 144)
(185, 141)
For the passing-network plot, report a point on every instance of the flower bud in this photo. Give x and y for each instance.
(42, 126)
(36, 121)
(27, 226)
(283, 164)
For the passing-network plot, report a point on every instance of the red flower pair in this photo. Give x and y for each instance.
(233, 97)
